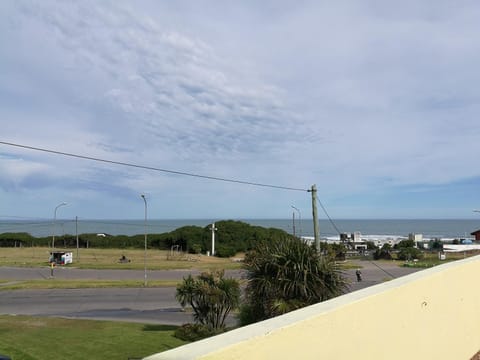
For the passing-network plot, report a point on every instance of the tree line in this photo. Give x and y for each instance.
(231, 237)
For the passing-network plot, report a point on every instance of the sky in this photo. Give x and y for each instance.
(377, 103)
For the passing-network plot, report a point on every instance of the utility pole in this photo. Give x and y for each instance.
(316, 227)
(213, 228)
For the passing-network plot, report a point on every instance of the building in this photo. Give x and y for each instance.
(476, 234)
(353, 240)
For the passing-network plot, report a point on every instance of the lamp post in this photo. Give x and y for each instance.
(299, 221)
(55, 219)
(293, 223)
(145, 232)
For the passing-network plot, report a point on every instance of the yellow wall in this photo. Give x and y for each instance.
(431, 314)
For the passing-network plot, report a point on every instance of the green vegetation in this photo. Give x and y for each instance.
(334, 251)
(83, 284)
(211, 297)
(409, 253)
(431, 259)
(231, 237)
(286, 275)
(110, 259)
(35, 338)
(195, 332)
(385, 253)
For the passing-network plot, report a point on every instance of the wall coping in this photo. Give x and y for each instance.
(213, 344)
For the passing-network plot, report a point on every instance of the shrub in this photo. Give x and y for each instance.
(285, 275)
(194, 332)
(195, 249)
(405, 244)
(224, 251)
(409, 254)
(211, 297)
(383, 253)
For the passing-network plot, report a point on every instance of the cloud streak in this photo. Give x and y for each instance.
(357, 99)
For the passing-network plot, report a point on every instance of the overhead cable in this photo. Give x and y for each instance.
(328, 216)
(151, 168)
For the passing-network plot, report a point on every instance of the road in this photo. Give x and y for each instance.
(145, 305)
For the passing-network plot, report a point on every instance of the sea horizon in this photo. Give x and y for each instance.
(430, 228)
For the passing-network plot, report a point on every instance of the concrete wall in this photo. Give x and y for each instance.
(431, 314)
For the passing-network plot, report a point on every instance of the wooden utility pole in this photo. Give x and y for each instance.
(316, 227)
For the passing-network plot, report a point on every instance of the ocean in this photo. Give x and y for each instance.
(374, 229)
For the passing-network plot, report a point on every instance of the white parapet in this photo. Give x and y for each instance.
(434, 312)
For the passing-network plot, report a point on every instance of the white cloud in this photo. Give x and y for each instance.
(345, 95)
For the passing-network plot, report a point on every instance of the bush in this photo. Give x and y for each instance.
(194, 332)
(195, 249)
(405, 244)
(249, 314)
(211, 297)
(383, 253)
(409, 254)
(224, 251)
(284, 275)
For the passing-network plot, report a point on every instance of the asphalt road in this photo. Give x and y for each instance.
(60, 272)
(145, 305)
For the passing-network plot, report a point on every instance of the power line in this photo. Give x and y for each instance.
(328, 216)
(151, 168)
(385, 271)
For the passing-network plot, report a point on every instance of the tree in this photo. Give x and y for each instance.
(284, 275)
(405, 244)
(211, 296)
(383, 253)
(336, 251)
(409, 253)
(437, 244)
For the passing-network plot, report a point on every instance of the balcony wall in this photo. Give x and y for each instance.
(431, 314)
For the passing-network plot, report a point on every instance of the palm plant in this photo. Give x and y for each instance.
(286, 275)
(211, 296)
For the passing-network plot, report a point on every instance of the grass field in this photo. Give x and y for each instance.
(109, 259)
(34, 338)
(431, 259)
(82, 284)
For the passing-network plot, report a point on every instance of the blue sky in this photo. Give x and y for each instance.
(375, 102)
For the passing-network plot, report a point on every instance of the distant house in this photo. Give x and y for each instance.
(476, 234)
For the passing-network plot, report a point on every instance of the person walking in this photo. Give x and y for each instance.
(359, 275)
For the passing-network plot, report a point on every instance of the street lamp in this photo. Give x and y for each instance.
(145, 232)
(54, 219)
(299, 220)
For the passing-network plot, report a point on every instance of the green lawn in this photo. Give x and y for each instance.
(41, 338)
(83, 284)
(109, 259)
(431, 259)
